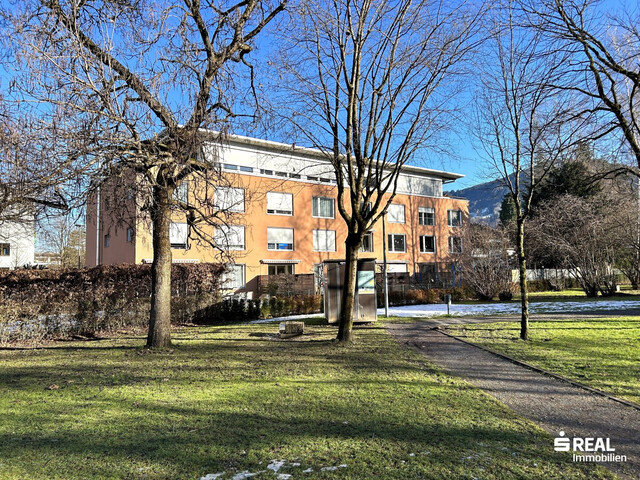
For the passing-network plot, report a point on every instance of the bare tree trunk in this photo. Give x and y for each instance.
(160, 321)
(524, 293)
(347, 303)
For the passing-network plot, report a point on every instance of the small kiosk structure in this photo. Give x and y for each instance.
(365, 307)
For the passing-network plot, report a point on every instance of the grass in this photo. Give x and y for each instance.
(602, 353)
(235, 398)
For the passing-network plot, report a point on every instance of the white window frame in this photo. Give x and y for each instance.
(315, 206)
(451, 242)
(450, 218)
(275, 248)
(286, 266)
(424, 211)
(228, 278)
(362, 249)
(223, 234)
(229, 199)
(394, 217)
(423, 245)
(322, 240)
(390, 241)
(277, 211)
(174, 228)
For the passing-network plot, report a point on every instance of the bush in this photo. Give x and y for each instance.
(38, 304)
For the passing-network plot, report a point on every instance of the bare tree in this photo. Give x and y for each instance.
(602, 51)
(371, 83)
(135, 83)
(486, 261)
(584, 235)
(522, 123)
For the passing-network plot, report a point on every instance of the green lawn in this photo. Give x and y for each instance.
(234, 398)
(602, 353)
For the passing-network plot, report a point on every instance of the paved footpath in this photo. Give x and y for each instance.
(551, 403)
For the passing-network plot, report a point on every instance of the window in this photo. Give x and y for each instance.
(229, 199)
(129, 234)
(395, 213)
(107, 240)
(229, 166)
(367, 242)
(397, 267)
(181, 193)
(286, 269)
(396, 242)
(426, 216)
(324, 240)
(323, 207)
(427, 269)
(178, 235)
(365, 209)
(279, 203)
(233, 278)
(5, 249)
(279, 238)
(229, 237)
(455, 244)
(454, 218)
(246, 169)
(427, 244)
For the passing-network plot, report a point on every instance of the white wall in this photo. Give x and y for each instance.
(288, 162)
(21, 238)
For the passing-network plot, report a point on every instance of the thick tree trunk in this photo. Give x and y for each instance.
(347, 303)
(160, 321)
(524, 292)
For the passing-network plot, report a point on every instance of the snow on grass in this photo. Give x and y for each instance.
(512, 308)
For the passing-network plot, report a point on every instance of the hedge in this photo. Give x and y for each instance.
(37, 304)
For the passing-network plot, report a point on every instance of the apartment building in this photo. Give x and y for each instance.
(284, 218)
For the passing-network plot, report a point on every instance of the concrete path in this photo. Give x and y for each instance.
(553, 404)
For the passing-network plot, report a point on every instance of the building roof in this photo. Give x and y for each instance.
(320, 155)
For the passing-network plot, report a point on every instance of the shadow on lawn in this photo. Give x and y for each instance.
(207, 440)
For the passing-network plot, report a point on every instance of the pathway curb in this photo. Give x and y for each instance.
(541, 370)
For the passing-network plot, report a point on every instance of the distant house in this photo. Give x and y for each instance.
(17, 243)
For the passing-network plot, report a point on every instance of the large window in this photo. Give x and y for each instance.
(324, 240)
(455, 244)
(397, 243)
(427, 244)
(229, 199)
(323, 207)
(5, 250)
(230, 237)
(367, 243)
(426, 216)
(285, 269)
(233, 278)
(279, 238)
(454, 218)
(395, 213)
(279, 203)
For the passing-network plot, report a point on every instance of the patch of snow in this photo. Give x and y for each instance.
(432, 310)
(308, 470)
(276, 465)
(295, 464)
(246, 474)
(284, 476)
(328, 469)
(212, 476)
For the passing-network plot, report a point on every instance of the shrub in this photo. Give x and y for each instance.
(38, 304)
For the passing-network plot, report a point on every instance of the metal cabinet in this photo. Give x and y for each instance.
(365, 308)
